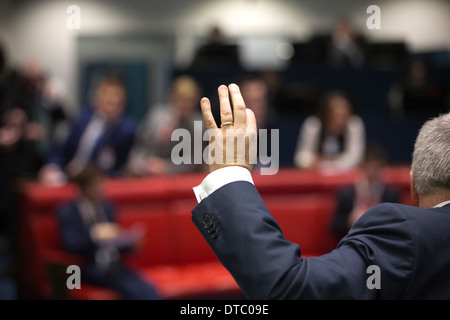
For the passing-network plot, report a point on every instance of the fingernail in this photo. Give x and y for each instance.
(234, 87)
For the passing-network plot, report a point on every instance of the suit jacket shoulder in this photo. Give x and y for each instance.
(383, 236)
(410, 245)
(430, 231)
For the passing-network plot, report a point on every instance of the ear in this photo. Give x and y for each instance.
(414, 193)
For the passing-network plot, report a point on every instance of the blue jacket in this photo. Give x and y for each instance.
(410, 245)
(75, 233)
(119, 138)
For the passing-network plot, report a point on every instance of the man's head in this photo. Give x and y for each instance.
(184, 96)
(430, 175)
(335, 111)
(215, 35)
(110, 98)
(90, 182)
(255, 93)
(343, 28)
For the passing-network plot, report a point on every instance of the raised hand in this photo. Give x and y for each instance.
(235, 142)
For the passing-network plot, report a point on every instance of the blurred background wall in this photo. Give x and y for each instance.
(172, 30)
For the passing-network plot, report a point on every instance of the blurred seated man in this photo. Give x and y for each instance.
(334, 140)
(102, 134)
(46, 103)
(416, 94)
(19, 133)
(368, 191)
(346, 47)
(42, 101)
(216, 53)
(21, 130)
(88, 228)
(152, 152)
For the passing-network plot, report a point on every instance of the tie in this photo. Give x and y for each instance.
(89, 140)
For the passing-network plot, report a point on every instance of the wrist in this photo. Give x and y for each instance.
(221, 177)
(213, 168)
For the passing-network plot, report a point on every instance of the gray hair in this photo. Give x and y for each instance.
(431, 157)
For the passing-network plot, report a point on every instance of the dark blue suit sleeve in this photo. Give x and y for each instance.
(250, 244)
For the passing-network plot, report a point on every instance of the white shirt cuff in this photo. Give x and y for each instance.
(220, 178)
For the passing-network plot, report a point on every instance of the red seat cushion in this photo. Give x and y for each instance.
(157, 246)
(44, 235)
(92, 292)
(190, 245)
(193, 280)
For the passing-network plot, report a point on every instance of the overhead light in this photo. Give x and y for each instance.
(285, 51)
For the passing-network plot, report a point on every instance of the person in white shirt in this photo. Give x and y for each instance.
(332, 140)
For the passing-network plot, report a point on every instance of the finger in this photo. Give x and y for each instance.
(208, 117)
(240, 115)
(251, 131)
(251, 120)
(226, 115)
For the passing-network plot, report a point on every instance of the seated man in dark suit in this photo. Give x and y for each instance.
(406, 248)
(102, 134)
(346, 46)
(88, 228)
(368, 191)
